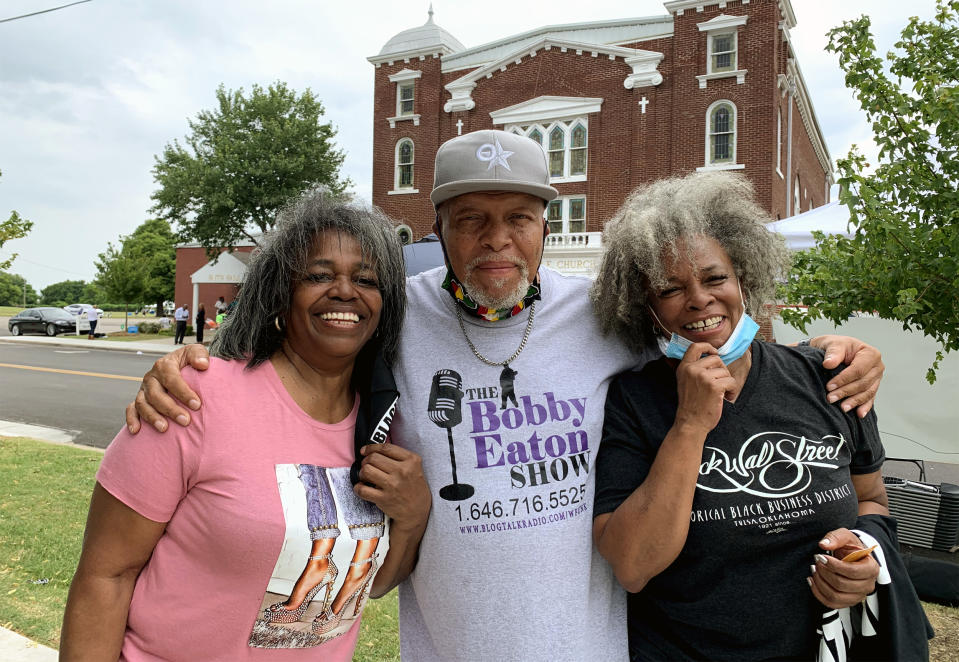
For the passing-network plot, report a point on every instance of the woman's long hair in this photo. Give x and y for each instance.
(250, 332)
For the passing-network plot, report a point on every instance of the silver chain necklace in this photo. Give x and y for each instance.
(522, 344)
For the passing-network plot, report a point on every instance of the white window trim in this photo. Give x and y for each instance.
(710, 42)
(401, 78)
(546, 109)
(722, 24)
(396, 168)
(400, 229)
(545, 128)
(779, 143)
(405, 75)
(564, 216)
(403, 118)
(734, 165)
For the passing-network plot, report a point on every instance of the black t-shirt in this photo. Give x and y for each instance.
(774, 478)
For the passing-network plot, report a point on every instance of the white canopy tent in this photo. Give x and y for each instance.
(224, 268)
(831, 218)
(916, 420)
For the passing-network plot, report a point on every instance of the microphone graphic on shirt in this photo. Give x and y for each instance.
(445, 409)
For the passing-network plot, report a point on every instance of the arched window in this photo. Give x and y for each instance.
(577, 150)
(405, 233)
(796, 199)
(557, 152)
(404, 164)
(779, 141)
(566, 143)
(721, 133)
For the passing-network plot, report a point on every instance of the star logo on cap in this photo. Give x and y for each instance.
(494, 154)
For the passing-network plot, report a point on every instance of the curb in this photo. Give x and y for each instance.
(117, 346)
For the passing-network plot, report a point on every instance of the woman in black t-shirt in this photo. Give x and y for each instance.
(726, 485)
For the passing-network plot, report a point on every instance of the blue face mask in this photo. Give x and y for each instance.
(731, 350)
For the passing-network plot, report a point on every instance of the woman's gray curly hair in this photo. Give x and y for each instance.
(648, 226)
(250, 332)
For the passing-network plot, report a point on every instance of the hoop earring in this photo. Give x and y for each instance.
(279, 326)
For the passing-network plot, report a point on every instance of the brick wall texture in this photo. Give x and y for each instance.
(627, 147)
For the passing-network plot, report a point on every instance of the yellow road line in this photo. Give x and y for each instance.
(69, 372)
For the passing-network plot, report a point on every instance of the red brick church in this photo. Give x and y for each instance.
(712, 84)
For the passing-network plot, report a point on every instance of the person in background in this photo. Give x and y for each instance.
(200, 322)
(193, 540)
(181, 316)
(727, 487)
(220, 305)
(93, 317)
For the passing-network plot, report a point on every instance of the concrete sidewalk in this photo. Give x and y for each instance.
(160, 346)
(17, 648)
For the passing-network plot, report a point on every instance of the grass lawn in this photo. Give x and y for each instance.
(9, 311)
(44, 493)
(122, 336)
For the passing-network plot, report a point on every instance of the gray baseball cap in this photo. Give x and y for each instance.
(490, 160)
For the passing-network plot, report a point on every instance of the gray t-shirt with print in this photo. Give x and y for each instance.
(507, 568)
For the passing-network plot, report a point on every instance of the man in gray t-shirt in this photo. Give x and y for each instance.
(503, 372)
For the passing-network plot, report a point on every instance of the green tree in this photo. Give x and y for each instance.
(15, 227)
(68, 291)
(153, 246)
(120, 276)
(242, 161)
(93, 293)
(903, 260)
(14, 289)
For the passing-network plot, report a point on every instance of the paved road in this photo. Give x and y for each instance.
(91, 404)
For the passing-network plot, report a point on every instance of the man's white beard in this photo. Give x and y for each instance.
(505, 300)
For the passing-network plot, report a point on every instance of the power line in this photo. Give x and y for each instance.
(42, 11)
(45, 266)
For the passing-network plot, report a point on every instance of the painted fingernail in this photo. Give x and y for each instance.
(812, 569)
(809, 580)
(193, 404)
(832, 397)
(182, 419)
(821, 559)
(824, 541)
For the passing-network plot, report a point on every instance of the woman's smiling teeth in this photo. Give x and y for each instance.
(340, 318)
(704, 325)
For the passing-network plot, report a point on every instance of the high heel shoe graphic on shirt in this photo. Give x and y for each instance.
(279, 612)
(328, 620)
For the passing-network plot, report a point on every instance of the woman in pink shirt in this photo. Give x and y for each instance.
(242, 535)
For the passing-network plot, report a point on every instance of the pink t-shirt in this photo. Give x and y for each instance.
(236, 487)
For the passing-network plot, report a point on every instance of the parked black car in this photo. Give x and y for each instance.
(50, 321)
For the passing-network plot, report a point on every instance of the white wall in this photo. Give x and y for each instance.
(917, 421)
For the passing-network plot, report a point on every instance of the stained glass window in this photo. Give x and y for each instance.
(722, 134)
(404, 164)
(577, 215)
(554, 216)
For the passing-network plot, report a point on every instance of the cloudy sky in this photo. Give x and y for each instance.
(89, 94)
